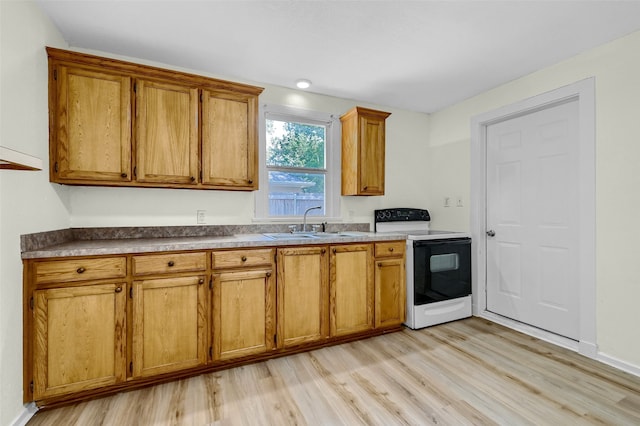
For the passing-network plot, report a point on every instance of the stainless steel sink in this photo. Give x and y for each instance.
(289, 235)
(310, 235)
(330, 235)
(342, 234)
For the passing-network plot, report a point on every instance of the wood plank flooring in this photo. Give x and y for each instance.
(461, 373)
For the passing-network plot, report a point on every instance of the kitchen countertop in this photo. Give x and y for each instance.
(97, 247)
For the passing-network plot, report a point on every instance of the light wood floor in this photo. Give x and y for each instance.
(466, 372)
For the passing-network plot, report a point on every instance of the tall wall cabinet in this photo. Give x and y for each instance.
(117, 123)
(363, 151)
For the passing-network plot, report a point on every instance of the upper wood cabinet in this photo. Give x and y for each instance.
(363, 151)
(90, 125)
(187, 131)
(229, 142)
(167, 133)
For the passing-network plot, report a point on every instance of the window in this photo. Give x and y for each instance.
(297, 161)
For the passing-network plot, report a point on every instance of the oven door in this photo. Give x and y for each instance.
(442, 270)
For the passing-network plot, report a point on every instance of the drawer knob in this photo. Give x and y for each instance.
(123, 175)
(80, 270)
(119, 289)
(379, 265)
(244, 258)
(390, 248)
(171, 263)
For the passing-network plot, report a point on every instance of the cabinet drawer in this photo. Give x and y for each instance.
(390, 249)
(80, 269)
(169, 263)
(242, 258)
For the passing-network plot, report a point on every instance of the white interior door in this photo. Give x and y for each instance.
(532, 207)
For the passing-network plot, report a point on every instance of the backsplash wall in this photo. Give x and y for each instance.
(406, 153)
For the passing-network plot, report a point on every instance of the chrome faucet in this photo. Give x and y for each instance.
(304, 220)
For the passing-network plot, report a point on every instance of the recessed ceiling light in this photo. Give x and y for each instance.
(303, 84)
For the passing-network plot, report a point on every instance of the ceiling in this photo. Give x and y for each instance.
(414, 55)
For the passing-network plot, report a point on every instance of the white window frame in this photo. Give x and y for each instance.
(332, 159)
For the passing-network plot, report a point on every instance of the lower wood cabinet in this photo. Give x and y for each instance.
(351, 289)
(169, 324)
(390, 284)
(102, 324)
(78, 338)
(244, 313)
(303, 295)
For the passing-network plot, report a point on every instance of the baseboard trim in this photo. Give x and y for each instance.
(588, 349)
(29, 411)
(535, 332)
(619, 364)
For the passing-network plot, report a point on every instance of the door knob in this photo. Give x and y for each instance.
(491, 233)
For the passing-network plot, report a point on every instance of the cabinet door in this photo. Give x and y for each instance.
(92, 126)
(372, 152)
(229, 140)
(167, 133)
(169, 324)
(363, 151)
(79, 335)
(351, 289)
(303, 295)
(390, 292)
(243, 313)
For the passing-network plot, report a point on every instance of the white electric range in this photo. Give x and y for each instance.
(438, 267)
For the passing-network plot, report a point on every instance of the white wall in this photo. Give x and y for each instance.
(31, 204)
(616, 67)
(28, 202)
(406, 149)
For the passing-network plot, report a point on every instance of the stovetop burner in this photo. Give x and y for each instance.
(413, 222)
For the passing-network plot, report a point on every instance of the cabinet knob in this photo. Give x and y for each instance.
(80, 270)
(390, 248)
(123, 175)
(244, 258)
(365, 188)
(171, 263)
(192, 178)
(201, 281)
(119, 289)
(334, 251)
(379, 265)
(323, 251)
(268, 274)
(250, 181)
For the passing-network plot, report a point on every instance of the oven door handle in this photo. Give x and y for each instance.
(459, 241)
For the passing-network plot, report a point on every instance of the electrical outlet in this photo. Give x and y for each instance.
(200, 217)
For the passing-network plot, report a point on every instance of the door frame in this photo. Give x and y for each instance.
(583, 92)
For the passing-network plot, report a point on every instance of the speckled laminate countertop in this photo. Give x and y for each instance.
(111, 246)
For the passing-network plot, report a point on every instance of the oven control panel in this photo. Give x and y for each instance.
(401, 215)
